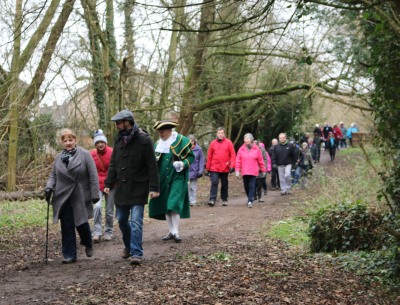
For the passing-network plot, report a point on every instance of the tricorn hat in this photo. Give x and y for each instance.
(165, 124)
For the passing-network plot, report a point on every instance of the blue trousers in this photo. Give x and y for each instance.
(249, 183)
(130, 220)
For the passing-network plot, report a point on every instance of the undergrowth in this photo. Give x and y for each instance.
(343, 197)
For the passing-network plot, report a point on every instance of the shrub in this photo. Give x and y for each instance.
(345, 227)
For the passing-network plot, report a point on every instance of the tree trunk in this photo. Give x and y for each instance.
(21, 196)
(172, 51)
(14, 101)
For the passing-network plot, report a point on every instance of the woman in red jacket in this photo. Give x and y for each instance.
(102, 156)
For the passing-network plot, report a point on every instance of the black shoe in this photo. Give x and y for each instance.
(125, 253)
(168, 237)
(176, 238)
(265, 193)
(89, 251)
(211, 203)
(69, 260)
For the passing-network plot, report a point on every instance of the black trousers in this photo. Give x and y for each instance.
(215, 177)
(68, 236)
(275, 179)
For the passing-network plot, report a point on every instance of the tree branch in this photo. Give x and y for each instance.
(50, 46)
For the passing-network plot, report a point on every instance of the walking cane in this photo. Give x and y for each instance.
(47, 229)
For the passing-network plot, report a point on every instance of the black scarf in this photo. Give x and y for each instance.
(127, 135)
(67, 154)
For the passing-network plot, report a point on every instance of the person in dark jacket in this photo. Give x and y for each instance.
(317, 130)
(317, 142)
(133, 172)
(75, 188)
(275, 185)
(283, 157)
(195, 170)
(326, 130)
(331, 144)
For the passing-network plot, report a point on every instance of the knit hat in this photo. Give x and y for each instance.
(99, 136)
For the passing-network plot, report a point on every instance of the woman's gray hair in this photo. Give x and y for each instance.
(249, 135)
(192, 137)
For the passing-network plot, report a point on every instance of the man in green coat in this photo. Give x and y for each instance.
(174, 156)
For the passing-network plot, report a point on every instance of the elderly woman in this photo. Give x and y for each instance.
(74, 184)
(249, 162)
(195, 170)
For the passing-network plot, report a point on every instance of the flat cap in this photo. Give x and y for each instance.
(165, 124)
(123, 115)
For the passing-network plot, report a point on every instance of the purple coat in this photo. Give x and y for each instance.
(197, 167)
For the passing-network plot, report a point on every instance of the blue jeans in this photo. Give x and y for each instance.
(214, 177)
(249, 183)
(97, 228)
(296, 175)
(131, 229)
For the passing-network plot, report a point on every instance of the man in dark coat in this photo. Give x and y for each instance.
(133, 172)
(274, 173)
(284, 155)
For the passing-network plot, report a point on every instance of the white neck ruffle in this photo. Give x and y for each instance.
(164, 146)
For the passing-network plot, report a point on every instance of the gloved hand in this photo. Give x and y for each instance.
(95, 200)
(47, 194)
(231, 170)
(263, 175)
(178, 166)
(274, 166)
(237, 174)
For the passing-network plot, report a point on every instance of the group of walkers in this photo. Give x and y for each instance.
(136, 172)
(334, 138)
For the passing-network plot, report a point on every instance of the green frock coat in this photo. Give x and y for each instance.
(174, 194)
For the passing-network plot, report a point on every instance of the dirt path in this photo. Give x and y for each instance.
(234, 229)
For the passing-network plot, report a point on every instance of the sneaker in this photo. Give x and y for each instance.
(70, 260)
(260, 200)
(107, 237)
(265, 193)
(89, 251)
(249, 204)
(168, 237)
(283, 193)
(96, 239)
(135, 260)
(125, 253)
(192, 204)
(224, 203)
(211, 203)
(288, 193)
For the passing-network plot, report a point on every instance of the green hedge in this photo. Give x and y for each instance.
(345, 227)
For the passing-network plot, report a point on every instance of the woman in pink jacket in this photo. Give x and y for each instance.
(249, 162)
